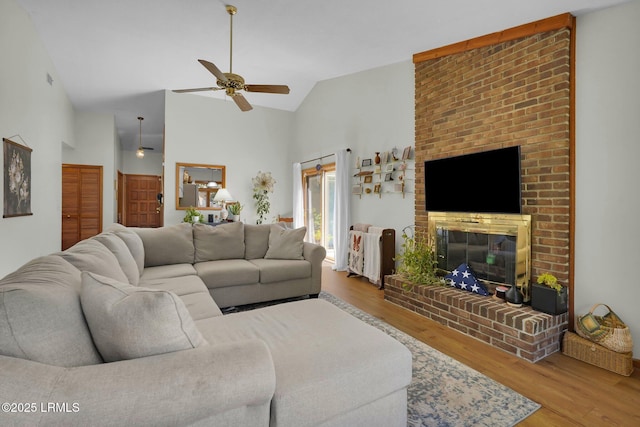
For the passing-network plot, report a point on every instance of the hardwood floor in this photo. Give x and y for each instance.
(571, 392)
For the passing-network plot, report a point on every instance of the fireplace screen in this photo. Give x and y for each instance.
(496, 247)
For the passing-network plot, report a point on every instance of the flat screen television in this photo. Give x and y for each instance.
(486, 182)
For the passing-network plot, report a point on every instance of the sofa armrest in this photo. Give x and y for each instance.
(315, 254)
(181, 388)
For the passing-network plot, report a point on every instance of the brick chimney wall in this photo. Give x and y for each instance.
(511, 93)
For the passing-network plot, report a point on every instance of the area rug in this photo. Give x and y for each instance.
(445, 392)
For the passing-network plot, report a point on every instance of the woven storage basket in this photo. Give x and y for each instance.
(608, 330)
(580, 348)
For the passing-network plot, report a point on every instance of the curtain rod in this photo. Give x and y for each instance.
(322, 157)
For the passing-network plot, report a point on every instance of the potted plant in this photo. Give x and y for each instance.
(548, 295)
(192, 215)
(417, 262)
(234, 210)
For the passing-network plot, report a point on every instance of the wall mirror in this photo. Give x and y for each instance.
(197, 185)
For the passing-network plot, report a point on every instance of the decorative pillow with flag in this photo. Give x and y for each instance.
(462, 278)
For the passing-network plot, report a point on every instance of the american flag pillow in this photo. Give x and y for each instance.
(462, 278)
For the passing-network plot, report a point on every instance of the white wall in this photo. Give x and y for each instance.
(43, 116)
(200, 129)
(368, 111)
(150, 164)
(96, 145)
(607, 173)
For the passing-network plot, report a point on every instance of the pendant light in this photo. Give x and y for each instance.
(140, 152)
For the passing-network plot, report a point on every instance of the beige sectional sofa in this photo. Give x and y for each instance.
(125, 328)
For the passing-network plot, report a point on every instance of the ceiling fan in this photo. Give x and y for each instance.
(233, 83)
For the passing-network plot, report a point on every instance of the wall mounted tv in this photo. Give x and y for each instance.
(486, 182)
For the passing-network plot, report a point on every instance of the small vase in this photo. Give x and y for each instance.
(514, 296)
(377, 159)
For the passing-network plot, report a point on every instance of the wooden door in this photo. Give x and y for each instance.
(141, 201)
(81, 203)
(120, 198)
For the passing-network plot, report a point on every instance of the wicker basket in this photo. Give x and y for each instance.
(580, 348)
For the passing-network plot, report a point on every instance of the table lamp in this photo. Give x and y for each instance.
(223, 196)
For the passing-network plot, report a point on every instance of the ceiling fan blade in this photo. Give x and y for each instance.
(283, 89)
(213, 70)
(242, 102)
(200, 89)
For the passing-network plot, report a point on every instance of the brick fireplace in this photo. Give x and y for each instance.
(506, 89)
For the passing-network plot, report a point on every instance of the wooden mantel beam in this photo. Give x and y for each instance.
(564, 20)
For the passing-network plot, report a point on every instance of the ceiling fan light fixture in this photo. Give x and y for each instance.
(230, 82)
(140, 152)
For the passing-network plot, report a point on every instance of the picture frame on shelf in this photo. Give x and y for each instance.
(406, 153)
(388, 177)
(388, 167)
(357, 190)
(398, 188)
(368, 179)
(385, 157)
(366, 162)
(376, 189)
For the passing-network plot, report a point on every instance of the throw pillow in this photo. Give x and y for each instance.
(285, 243)
(120, 249)
(225, 241)
(91, 255)
(40, 315)
(128, 322)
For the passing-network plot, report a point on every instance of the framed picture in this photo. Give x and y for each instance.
(406, 153)
(376, 188)
(384, 157)
(366, 162)
(17, 179)
(388, 177)
(357, 190)
(388, 167)
(368, 179)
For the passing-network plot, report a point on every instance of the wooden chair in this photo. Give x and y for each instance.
(287, 221)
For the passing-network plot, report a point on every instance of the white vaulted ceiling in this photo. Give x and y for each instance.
(118, 56)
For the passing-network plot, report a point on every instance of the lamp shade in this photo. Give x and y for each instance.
(222, 195)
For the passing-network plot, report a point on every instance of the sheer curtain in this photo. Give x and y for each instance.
(298, 196)
(342, 209)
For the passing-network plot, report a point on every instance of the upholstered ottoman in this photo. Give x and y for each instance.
(331, 368)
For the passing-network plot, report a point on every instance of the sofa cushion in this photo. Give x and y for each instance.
(256, 240)
(280, 270)
(167, 245)
(133, 242)
(285, 243)
(167, 272)
(119, 248)
(91, 255)
(225, 241)
(40, 315)
(129, 322)
(230, 272)
(193, 293)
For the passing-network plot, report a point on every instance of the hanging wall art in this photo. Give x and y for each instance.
(17, 179)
